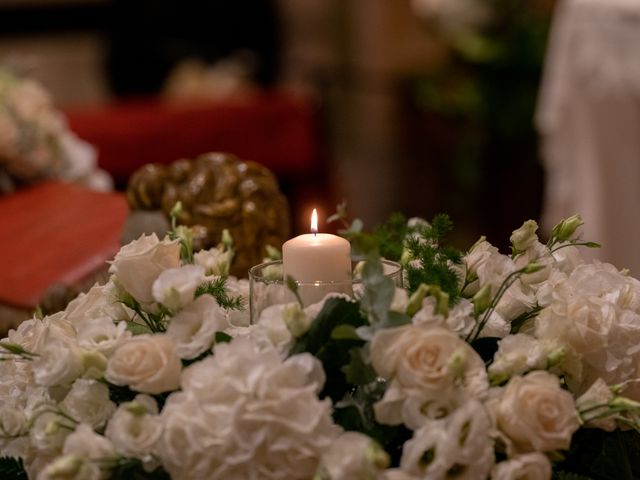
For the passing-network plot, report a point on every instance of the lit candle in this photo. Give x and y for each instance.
(318, 258)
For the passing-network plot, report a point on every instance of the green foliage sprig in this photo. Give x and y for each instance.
(217, 289)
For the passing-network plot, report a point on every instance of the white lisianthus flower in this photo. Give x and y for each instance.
(138, 264)
(271, 322)
(193, 328)
(520, 353)
(536, 413)
(87, 444)
(71, 467)
(103, 336)
(136, 428)
(459, 319)
(175, 287)
(532, 466)
(598, 393)
(246, 413)
(99, 302)
(353, 456)
(215, 261)
(58, 363)
(49, 431)
(13, 422)
(88, 402)
(146, 363)
(460, 441)
(474, 260)
(238, 287)
(431, 360)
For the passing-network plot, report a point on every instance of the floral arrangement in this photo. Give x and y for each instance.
(485, 366)
(35, 142)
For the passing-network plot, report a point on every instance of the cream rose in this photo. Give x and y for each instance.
(146, 363)
(427, 362)
(138, 264)
(536, 413)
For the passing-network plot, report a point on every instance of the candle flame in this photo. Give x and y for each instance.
(314, 222)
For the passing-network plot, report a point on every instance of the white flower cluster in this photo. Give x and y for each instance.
(152, 367)
(35, 142)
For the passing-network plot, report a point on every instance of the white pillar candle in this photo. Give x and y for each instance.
(319, 258)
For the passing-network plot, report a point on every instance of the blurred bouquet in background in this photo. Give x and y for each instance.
(35, 142)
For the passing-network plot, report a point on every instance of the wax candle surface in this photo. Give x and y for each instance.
(317, 257)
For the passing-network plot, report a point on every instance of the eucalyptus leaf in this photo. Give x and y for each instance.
(137, 328)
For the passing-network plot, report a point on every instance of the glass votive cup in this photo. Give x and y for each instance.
(267, 286)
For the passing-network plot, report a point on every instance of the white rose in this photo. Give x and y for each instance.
(353, 456)
(99, 302)
(34, 334)
(87, 444)
(58, 364)
(88, 402)
(536, 413)
(138, 264)
(429, 360)
(103, 336)
(136, 428)
(176, 287)
(532, 466)
(524, 237)
(70, 467)
(146, 363)
(193, 328)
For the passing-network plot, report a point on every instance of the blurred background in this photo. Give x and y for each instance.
(420, 107)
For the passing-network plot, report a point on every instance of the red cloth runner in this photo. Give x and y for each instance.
(55, 233)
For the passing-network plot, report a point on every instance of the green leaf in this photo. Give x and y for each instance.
(12, 469)
(222, 337)
(137, 328)
(345, 332)
(333, 353)
(359, 371)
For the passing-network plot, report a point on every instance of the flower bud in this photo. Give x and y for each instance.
(295, 319)
(532, 267)
(94, 363)
(376, 456)
(524, 237)
(66, 466)
(556, 356)
(136, 408)
(564, 230)
(415, 301)
(227, 239)
(456, 363)
(482, 299)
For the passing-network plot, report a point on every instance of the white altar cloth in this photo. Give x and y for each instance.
(589, 119)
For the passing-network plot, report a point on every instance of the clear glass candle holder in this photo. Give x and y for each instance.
(267, 287)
